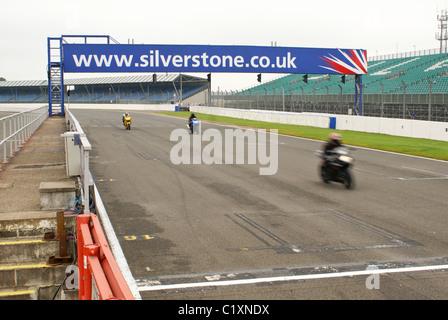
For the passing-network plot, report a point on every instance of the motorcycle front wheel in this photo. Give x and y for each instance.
(324, 175)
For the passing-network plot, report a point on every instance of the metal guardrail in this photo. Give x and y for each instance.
(16, 129)
(85, 147)
(101, 262)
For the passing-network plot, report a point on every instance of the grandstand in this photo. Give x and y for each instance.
(413, 71)
(151, 89)
(418, 81)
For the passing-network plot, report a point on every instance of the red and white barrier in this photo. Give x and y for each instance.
(99, 275)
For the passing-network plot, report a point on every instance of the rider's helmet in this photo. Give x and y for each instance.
(335, 136)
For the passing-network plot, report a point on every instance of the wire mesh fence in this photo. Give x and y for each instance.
(433, 107)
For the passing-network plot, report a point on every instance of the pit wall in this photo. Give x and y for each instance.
(397, 127)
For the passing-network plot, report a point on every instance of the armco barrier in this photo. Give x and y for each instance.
(99, 276)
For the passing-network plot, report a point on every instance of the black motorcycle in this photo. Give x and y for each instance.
(335, 166)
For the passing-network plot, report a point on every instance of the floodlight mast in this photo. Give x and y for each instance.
(442, 36)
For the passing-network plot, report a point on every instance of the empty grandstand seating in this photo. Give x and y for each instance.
(413, 71)
(127, 89)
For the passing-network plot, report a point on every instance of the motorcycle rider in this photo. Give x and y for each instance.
(190, 120)
(126, 114)
(333, 142)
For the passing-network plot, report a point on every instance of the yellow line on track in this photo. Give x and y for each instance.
(25, 266)
(16, 293)
(4, 243)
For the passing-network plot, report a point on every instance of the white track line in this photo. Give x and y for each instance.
(289, 278)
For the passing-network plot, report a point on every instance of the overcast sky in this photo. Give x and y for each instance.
(380, 27)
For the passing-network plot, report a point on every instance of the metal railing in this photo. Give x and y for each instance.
(408, 54)
(85, 147)
(433, 107)
(16, 129)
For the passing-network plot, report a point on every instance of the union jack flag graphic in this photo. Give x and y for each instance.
(348, 62)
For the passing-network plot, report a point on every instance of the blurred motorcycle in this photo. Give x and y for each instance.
(335, 166)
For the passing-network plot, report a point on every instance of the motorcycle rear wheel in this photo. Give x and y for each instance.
(348, 183)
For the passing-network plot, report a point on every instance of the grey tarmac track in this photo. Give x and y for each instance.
(196, 223)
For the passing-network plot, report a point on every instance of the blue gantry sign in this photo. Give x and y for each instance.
(85, 58)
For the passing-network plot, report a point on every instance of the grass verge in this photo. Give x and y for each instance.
(413, 146)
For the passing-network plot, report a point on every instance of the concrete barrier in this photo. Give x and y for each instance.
(127, 107)
(433, 130)
(19, 107)
(312, 120)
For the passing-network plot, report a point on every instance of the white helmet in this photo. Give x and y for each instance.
(335, 136)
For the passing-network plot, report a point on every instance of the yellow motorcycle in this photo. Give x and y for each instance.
(127, 122)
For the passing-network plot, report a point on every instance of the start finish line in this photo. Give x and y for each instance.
(69, 55)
